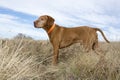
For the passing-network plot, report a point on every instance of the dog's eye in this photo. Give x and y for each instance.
(41, 19)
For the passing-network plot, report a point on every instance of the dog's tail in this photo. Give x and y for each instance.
(97, 29)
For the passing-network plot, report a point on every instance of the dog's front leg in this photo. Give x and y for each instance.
(55, 55)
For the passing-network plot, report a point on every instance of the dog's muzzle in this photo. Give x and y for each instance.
(35, 24)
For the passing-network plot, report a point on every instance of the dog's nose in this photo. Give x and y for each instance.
(34, 24)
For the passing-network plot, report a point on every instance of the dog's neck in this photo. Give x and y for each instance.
(51, 29)
(56, 29)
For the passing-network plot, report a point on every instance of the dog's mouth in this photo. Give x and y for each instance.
(36, 25)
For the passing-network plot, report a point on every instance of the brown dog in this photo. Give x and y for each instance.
(61, 37)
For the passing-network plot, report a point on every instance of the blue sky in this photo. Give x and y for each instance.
(18, 16)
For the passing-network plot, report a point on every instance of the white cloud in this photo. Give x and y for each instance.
(91, 10)
(100, 19)
(38, 7)
(10, 28)
(7, 18)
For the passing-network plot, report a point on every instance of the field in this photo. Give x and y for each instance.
(27, 59)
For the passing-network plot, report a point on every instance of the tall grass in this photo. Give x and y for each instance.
(24, 59)
(13, 64)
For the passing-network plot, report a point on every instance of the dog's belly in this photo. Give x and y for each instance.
(67, 43)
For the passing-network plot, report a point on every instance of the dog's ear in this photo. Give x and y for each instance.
(50, 21)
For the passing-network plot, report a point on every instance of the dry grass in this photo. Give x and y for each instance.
(23, 59)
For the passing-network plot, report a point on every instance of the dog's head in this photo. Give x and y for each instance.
(44, 21)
